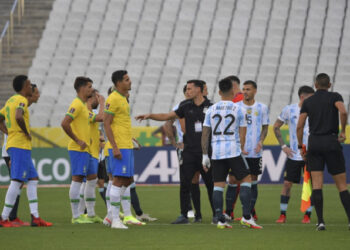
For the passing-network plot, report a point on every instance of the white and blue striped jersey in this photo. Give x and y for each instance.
(179, 132)
(224, 118)
(256, 116)
(290, 116)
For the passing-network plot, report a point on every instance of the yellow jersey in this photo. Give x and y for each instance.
(80, 125)
(118, 106)
(16, 136)
(95, 139)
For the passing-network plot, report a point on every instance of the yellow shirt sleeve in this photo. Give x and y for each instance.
(22, 103)
(2, 112)
(92, 117)
(110, 107)
(74, 110)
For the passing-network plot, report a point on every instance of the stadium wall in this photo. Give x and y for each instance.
(153, 165)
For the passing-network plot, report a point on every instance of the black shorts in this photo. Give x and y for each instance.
(255, 165)
(293, 170)
(101, 171)
(235, 166)
(325, 149)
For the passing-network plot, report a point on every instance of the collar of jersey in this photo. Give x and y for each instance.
(81, 100)
(119, 93)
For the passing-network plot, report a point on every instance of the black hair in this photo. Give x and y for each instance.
(110, 90)
(18, 82)
(81, 81)
(234, 79)
(184, 89)
(250, 82)
(305, 90)
(225, 85)
(118, 76)
(197, 83)
(323, 80)
(33, 86)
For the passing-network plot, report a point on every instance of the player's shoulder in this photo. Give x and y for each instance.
(17, 99)
(185, 103)
(262, 105)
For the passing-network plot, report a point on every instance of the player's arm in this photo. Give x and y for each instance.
(66, 125)
(3, 127)
(169, 131)
(157, 131)
(277, 130)
(21, 123)
(182, 124)
(101, 107)
(205, 147)
(343, 120)
(107, 121)
(158, 117)
(263, 134)
(300, 131)
(242, 136)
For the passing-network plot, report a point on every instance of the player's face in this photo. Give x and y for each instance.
(205, 90)
(249, 92)
(125, 84)
(192, 90)
(27, 88)
(93, 100)
(87, 90)
(35, 96)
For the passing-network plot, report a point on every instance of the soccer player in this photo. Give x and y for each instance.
(193, 112)
(13, 215)
(76, 125)
(324, 110)
(117, 125)
(225, 125)
(16, 115)
(257, 117)
(295, 163)
(233, 186)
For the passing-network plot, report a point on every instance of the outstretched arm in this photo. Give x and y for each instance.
(158, 117)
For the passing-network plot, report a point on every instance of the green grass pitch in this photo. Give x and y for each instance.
(163, 202)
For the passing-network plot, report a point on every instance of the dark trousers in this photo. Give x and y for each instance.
(192, 162)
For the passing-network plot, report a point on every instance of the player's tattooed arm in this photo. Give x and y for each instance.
(205, 139)
(276, 129)
(263, 134)
(21, 123)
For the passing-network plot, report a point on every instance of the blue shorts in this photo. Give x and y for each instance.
(79, 162)
(123, 167)
(108, 165)
(93, 166)
(22, 167)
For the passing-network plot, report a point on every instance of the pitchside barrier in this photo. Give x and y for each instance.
(153, 164)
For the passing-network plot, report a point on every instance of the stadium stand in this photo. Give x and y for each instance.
(163, 43)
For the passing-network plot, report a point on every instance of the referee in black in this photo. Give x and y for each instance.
(193, 110)
(323, 110)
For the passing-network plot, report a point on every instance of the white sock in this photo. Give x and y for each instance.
(32, 195)
(108, 198)
(126, 203)
(10, 199)
(90, 197)
(74, 198)
(115, 202)
(81, 206)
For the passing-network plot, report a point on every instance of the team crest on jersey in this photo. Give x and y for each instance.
(90, 115)
(72, 110)
(249, 111)
(107, 106)
(256, 113)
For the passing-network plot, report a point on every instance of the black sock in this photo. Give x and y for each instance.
(345, 199)
(254, 198)
(196, 198)
(246, 196)
(318, 201)
(13, 214)
(103, 194)
(284, 204)
(230, 197)
(218, 201)
(135, 201)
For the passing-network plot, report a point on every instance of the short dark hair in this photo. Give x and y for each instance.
(184, 89)
(225, 85)
(18, 82)
(81, 81)
(250, 82)
(323, 80)
(234, 79)
(197, 83)
(33, 86)
(118, 76)
(305, 90)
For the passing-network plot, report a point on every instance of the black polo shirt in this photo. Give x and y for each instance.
(322, 113)
(194, 117)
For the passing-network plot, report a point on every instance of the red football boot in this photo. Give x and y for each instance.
(282, 219)
(38, 222)
(19, 222)
(306, 219)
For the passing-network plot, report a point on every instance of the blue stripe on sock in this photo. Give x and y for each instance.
(218, 189)
(246, 184)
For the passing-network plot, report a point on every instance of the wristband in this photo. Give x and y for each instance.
(283, 146)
